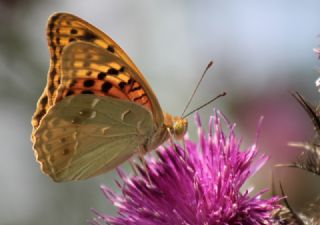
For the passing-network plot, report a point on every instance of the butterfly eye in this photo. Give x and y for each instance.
(180, 127)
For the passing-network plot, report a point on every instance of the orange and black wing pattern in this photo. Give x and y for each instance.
(119, 77)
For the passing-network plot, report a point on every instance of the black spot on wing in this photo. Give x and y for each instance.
(70, 92)
(101, 76)
(40, 114)
(122, 69)
(112, 71)
(51, 88)
(89, 36)
(71, 39)
(122, 85)
(44, 101)
(106, 86)
(140, 97)
(110, 48)
(73, 31)
(87, 92)
(54, 58)
(88, 83)
(53, 73)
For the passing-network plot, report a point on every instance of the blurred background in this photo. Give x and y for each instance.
(262, 51)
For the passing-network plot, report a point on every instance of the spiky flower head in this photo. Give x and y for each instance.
(309, 159)
(196, 185)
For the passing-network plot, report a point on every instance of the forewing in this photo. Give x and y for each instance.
(64, 28)
(90, 69)
(85, 135)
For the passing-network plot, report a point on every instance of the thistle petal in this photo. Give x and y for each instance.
(195, 186)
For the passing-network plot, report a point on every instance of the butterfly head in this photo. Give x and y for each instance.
(177, 125)
(180, 127)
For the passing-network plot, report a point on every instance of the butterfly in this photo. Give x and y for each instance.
(97, 109)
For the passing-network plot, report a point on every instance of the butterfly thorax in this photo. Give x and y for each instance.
(159, 137)
(173, 125)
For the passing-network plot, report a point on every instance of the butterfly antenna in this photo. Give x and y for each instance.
(191, 97)
(205, 104)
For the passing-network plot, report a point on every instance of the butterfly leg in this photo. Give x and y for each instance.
(170, 137)
(186, 155)
(174, 146)
(133, 166)
(142, 152)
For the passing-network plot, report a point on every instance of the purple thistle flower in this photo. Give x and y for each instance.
(196, 186)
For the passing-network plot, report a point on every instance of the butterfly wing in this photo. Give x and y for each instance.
(85, 135)
(68, 143)
(64, 28)
(90, 69)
